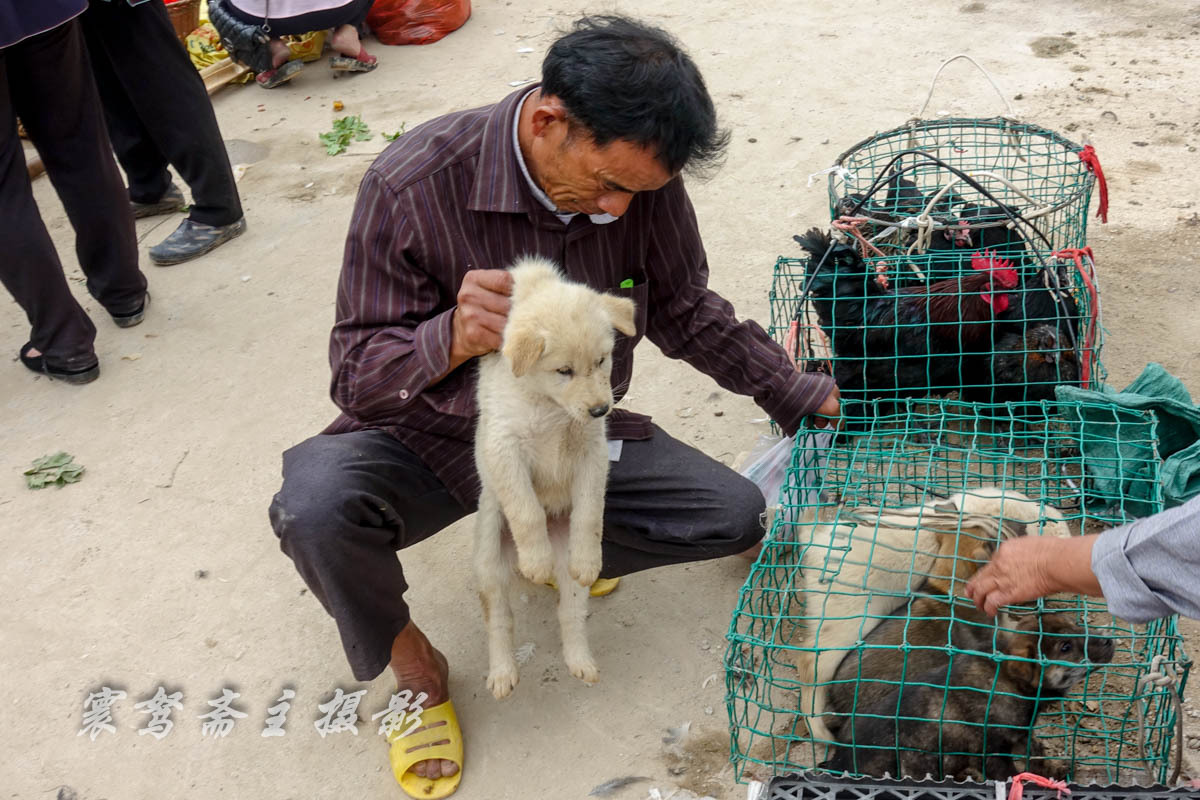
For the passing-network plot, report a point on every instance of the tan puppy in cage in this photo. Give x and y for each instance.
(863, 566)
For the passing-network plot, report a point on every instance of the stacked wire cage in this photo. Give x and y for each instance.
(844, 560)
(956, 299)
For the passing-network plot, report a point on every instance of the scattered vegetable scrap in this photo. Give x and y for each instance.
(58, 470)
(344, 131)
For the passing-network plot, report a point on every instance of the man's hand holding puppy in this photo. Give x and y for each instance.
(483, 304)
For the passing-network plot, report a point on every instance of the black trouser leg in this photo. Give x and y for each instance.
(47, 83)
(158, 109)
(669, 503)
(347, 504)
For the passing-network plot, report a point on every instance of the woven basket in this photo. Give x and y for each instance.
(185, 17)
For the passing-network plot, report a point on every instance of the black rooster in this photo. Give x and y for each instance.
(1026, 368)
(909, 342)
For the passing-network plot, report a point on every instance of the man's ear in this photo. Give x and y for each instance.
(620, 311)
(523, 346)
(548, 111)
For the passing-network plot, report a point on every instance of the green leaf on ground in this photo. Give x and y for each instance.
(391, 137)
(344, 131)
(58, 470)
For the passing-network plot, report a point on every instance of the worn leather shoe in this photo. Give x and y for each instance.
(169, 203)
(127, 319)
(192, 239)
(38, 364)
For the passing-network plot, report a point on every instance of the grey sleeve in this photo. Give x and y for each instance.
(1151, 568)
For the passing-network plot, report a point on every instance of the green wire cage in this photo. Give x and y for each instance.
(964, 182)
(976, 327)
(852, 620)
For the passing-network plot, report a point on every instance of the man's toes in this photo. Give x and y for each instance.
(448, 768)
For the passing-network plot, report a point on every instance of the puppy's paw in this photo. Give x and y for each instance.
(585, 567)
(583, 666)
(502, 679)
(537, 564)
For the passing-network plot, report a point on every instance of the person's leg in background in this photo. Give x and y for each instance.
(346, 41)
(158, 112)
(48, 84)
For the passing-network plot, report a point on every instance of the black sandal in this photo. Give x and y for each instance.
(38, 364)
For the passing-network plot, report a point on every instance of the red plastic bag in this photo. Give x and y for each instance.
(416, 21)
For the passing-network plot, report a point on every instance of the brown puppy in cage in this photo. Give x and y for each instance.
(864, 566)
(969, 716)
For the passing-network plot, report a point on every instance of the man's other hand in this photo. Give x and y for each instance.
(830, 412)
(483, 304)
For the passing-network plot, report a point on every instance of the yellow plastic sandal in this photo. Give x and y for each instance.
(402, 760)
(601, 588)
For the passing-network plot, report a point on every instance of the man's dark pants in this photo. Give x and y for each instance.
(350, 500)
(158, 110)
(46, 81)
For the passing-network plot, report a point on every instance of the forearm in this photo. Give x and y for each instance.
(382, 374)
(739, 356)
(1148, 569)
(1069, 563)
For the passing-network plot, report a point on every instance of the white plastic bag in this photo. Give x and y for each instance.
(768, 465)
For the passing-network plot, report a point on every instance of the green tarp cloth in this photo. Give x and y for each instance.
(1120, 462)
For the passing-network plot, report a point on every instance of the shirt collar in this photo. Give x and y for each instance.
(498, 184)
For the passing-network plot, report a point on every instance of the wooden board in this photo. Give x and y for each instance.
(221, 74)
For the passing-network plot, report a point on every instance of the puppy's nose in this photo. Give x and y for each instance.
(598, 411)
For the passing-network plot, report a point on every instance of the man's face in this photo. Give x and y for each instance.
(577, 175)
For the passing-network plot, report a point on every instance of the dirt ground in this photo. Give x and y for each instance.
(159, 568)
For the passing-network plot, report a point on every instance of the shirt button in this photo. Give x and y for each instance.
(404, 394)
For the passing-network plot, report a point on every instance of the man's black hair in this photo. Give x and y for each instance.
(623, 80)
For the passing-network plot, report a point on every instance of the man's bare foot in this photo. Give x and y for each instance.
(345, 41)
(419, 666)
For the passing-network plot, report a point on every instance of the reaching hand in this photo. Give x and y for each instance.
(483, 303)
(830, 412)
(1029, 567)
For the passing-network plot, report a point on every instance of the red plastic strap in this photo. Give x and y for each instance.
(1018, 787)
(1077, 254)
(1088, 156)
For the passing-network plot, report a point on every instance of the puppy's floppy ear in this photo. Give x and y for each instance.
(524, 344)
(1015, 641)
(620, 311)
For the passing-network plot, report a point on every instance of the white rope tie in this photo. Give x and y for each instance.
(1161, 675)
(841, 171)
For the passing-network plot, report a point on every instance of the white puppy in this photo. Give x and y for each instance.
(541, 452)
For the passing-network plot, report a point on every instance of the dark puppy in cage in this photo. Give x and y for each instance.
(969, 715)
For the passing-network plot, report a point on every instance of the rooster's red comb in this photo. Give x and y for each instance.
(990, 261)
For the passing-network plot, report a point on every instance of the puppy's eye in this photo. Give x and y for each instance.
(1066, 647)
(566, 371)
(600, 363)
